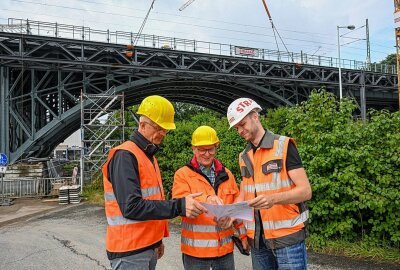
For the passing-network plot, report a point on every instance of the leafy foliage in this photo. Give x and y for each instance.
(389, 60)
(353, 167)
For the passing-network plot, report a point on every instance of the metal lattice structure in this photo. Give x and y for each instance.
(41, 79)
(102, 128)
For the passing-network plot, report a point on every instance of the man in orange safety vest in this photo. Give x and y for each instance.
(135, 207)
(206, 243)
(275, 183)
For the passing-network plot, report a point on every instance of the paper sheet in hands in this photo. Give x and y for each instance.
(239, 210)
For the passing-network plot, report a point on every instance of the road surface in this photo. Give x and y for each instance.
(73, 238)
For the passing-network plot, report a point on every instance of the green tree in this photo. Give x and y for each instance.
(186, 111)
(353, 167)
(389, 60)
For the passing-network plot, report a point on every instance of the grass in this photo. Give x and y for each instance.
(364, 250)
(93, 193)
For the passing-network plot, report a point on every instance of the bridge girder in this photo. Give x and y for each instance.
(42, 78)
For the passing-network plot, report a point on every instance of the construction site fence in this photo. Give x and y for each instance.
(31, 27)
(32, 187)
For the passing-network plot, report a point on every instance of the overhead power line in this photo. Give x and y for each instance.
(314, 41)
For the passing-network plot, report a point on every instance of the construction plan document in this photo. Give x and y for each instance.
(240, 210)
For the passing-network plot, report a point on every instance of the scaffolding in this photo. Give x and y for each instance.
(102, 128)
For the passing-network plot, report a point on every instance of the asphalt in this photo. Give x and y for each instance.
(22, 209)
(25, 212)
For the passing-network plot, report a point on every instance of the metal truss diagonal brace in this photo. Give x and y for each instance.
(268, 92)
(102, 112)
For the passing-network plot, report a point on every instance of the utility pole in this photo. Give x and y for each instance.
(368, 60)
(397, 33)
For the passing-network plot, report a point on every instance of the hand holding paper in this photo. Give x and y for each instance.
(239, 210)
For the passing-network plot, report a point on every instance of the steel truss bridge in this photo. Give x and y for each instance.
(44, 67)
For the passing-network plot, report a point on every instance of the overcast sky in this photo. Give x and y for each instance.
(305, 25)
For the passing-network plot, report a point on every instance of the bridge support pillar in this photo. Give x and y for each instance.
(4, 112)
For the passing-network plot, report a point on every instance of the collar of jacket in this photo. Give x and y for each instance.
(220, 172)
(217, 164)
(147, 147)
(267, 141)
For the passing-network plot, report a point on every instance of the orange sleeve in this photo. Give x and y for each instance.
(181, 187)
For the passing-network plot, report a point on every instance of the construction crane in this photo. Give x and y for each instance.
(130, 47)
(397, 33)
(185, 5)
(276, 31)
(143, 23)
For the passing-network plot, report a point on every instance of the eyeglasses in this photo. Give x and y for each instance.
(156, 127)
(203, 151)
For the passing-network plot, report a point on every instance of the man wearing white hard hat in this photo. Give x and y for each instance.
(276, 185)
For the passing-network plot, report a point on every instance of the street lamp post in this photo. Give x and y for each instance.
(350, 27)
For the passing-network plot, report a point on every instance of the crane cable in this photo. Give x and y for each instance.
(277, 33)
(143, 24)
(185, 5)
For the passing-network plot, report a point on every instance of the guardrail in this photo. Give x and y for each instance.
(31, 187)
(121, 37)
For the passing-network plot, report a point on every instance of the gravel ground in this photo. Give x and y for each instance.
(73, 238)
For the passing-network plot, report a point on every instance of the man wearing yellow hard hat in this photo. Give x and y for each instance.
(206, 243)
(135, 207)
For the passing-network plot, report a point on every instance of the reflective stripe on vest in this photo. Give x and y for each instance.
(280, 224)
(114, 221)
(281, 143)
(109, 196)
(119, 220)
(205, 243)
(200, 228)
(275, 185)
(146, 192)
(242, 230)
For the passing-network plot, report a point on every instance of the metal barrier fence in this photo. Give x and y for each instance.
(31, 187)
(121, 37)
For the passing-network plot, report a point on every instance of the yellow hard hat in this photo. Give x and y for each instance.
(204, 135)
(159, 110)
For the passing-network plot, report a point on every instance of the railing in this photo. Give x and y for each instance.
(120, 37)
(32, 187)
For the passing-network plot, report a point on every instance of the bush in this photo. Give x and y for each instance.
(353, 167)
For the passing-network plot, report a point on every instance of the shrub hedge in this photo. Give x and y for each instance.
(353, 167)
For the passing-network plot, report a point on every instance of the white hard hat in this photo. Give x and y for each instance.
(239, 109)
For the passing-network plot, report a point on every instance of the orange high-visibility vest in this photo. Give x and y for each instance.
(264, 172)
(125, 234)
(201, 237)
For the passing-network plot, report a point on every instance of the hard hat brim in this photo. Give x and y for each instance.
(168, 126)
